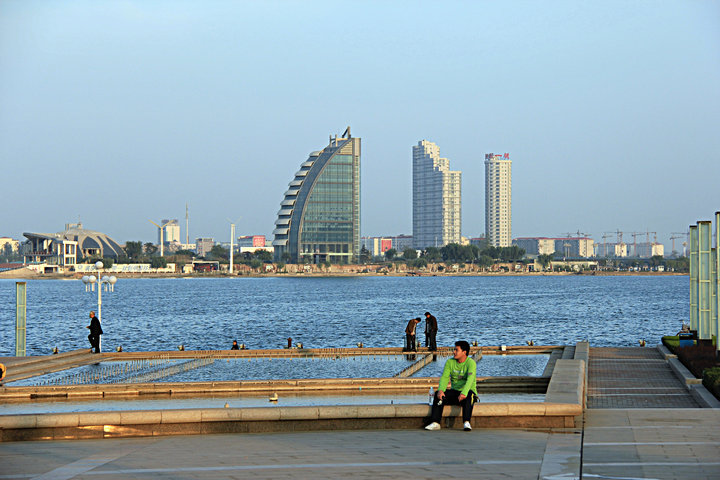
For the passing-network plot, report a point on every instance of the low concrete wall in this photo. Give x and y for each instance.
(561, 409)
(316, 386)
(234, 420)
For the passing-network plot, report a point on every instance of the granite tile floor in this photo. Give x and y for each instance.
(339, 454)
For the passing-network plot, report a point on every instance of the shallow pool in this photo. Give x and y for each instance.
(167, 402)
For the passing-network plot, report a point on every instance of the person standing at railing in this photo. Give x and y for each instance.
(410, 331)
(95, 332)
(431, 329)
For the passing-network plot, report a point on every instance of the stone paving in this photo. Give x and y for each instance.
(626, 441)
(652, 443)
(318, 455)
(634, 378)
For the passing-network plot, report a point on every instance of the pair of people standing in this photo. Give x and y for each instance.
(431, 328)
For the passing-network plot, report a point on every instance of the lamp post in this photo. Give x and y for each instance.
(105, 282)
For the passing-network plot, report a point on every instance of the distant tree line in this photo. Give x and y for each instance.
(450, 253)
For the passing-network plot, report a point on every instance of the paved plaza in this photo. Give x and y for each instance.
(614, 444)
(643, 430)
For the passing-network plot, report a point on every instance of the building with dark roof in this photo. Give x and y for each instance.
(319, 216)
(66, 248)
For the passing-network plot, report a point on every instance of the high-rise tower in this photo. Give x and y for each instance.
(319, 217)
(436, 198)
(498, 199)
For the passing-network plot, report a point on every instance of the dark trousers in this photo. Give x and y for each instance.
(410, 343)
(430, 341)
(451, 398)
(94, 342)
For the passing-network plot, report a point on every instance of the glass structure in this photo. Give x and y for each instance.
(319, 216)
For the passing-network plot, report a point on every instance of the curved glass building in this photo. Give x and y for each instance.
(319, 217)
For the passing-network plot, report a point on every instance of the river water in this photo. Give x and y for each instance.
(208, 313)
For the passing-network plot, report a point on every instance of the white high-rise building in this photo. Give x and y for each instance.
(436, 198)
(498, 199)
(171, 231)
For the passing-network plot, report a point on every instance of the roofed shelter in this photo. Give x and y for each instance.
(65, 248)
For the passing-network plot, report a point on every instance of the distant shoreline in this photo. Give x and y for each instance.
(24, 275)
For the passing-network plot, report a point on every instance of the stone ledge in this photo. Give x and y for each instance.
(265, 414)
(682, 372)
(703, 396)
(667, 354)
(567, 384)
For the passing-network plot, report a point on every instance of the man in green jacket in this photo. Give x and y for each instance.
(460, 372)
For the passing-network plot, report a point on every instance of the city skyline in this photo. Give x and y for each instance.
(113, 113)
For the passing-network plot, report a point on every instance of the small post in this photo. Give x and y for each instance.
(20, 318)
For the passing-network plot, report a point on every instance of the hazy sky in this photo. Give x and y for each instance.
(119, 112)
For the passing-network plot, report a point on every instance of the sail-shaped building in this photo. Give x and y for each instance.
(319, 216)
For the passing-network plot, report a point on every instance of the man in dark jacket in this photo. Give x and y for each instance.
(95, 332)
(431, 328)
(410, 343)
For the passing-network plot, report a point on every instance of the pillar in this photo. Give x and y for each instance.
(717, 284)
(20, 318)
(693, 277)
(704, 290)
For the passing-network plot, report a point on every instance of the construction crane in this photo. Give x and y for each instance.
(619, 236)
(605, 236)
(634, 235)
(579, 234)
(676, 235)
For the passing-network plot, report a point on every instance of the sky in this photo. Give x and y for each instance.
(119, 112)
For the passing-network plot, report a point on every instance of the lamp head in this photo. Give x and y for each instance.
(98, 265)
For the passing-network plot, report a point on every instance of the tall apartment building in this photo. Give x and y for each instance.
(436, 198)
(204, 245)
(498, 199)
(319, 216)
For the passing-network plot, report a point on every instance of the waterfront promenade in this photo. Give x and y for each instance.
(625, 438)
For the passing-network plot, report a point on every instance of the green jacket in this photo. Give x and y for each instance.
(460, 375)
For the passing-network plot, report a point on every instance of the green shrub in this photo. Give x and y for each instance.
(671, 342)
(711, 380)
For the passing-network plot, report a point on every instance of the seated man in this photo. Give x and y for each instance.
(460, 372)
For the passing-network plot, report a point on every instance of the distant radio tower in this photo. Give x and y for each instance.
(187, 226)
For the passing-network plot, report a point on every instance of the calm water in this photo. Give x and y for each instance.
(159, 314)
(234, 369)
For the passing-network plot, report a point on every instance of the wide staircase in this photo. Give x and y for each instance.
(634, 378)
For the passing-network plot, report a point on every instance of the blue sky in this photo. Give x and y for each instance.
(119, 112)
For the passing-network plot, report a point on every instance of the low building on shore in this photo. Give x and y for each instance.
(59, 252)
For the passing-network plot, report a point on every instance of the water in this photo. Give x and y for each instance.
(162, 402)
(496, 366)
(203, 313)
(238, 369)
